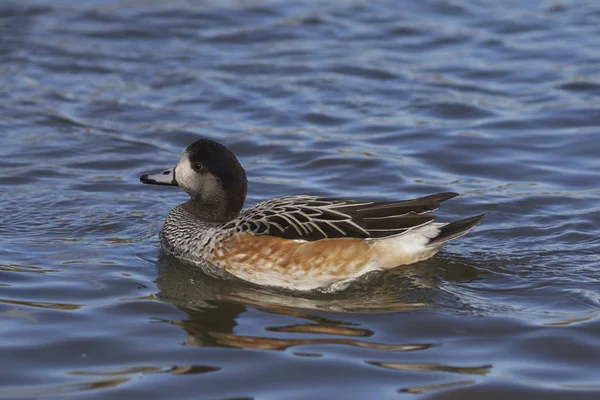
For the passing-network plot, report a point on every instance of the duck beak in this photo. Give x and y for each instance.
(166, 177)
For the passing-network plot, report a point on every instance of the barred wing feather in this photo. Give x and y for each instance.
(312, 218)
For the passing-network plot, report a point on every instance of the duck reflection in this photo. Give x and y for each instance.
(214, 306)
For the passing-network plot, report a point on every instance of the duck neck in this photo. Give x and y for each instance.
(217, 212)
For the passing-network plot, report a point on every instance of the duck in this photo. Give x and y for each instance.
(299, 243)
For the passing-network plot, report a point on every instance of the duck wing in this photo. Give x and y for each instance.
(313, 218)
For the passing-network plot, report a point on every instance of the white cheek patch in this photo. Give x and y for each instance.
(184, 174)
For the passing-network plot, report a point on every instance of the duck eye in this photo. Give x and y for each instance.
(197, 166)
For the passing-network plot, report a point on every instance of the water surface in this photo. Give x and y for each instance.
(358, 99)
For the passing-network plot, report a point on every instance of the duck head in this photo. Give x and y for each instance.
(211, 175)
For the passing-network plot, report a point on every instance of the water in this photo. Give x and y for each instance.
(357, 99)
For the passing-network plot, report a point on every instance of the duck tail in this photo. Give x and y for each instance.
(455, 230)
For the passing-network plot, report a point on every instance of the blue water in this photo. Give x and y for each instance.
(498, 101)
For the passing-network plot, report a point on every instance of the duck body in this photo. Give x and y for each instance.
(294, 242)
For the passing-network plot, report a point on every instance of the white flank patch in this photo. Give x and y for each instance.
(409, 247)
